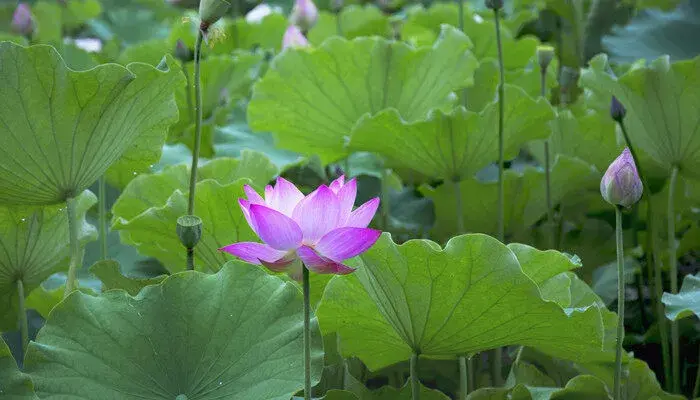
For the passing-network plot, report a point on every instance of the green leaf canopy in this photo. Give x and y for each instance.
(661, 101)
(33, 245)
(235, 335)
(454, 145)
(441, 303)
(311, 98)
(63, 129)
(12, 381)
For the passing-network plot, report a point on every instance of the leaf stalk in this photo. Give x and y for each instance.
(620, 303)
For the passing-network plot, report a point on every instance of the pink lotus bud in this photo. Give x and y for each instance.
(320, 230)
(304, 14)
(621, 184)
(294, 38)
(22, 20)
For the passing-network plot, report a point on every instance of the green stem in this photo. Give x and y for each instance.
(673, 267)
(653, 241)
(415, 383)
(547, 173)
(620, 303)
(197, 121)
(458, 207)
(501, 110)
(102, 216)
(385, 199)
(190, 104)
(464, 373)
(76, 256)
(23, 325)
(460, 14)
(471, 373)
(696, 388)
(307, 334)
(498, 352)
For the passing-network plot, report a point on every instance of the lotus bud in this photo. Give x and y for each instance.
(294, 38)
(494, 4)
(304, 14)
(336, 6)
(545, 54)
(211, 11)
(189, 230)
(617, 110)
(22, 20)
(182, 52)
(621, 184)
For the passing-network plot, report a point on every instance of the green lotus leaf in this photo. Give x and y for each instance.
(231, 140)
(15, 384)
(582, 387)
(686, 302)
(64, 129)
(153, 190)
(311, 98)
(518, 52)
(355, 21)
(148, 51)
(660, 99)
(236, 335)
(524, 194)
(391, 307)
(34, 244)
(457, 144)
(107, 271)
(642, 384)
(43, 300)
(75, 13)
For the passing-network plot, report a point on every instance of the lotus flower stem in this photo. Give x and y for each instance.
(620, 303)
(658, 286)
(76, 255)
(386, 211)
(197, 120)
(672, 258)
(464, 374)
(460, 14)
(102, 216)
(547, 173)
(415, 383)
(307, 333)
(458, 207)
(188, 89)
(22, 311)
(497, 352)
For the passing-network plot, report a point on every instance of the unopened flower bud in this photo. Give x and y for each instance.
(545, 54)
(211, 11)
(294, 38)
(304, 14)
(336, 6)
(22, 20)
(182, 52)
(494, 4)
(617, 110)
(621, 184)
(189, 230)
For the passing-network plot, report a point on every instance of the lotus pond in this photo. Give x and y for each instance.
(350, 200)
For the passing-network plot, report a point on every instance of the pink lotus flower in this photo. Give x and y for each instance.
(22, 21)
(304, 14)
(320, 230)
(294, 38)
(621, 184)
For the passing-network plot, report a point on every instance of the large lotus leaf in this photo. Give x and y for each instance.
(642, 384)
(660, 99)
(468, 297)
(582, 387)
(152, 232)
(524, 194)
(457, 144)
(107, 271)
(33, 245)
(311, 98)
(153, 190)
(355, 21)
(686, 302)
(12, 381)
(517, 53)
(63, 129)
(235, 335)
(231, 140)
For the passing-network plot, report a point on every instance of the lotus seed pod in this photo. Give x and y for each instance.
(211, 11)
(22, 20)
(189, 230)
(545, 54)
(304, 14)
(621, 184)
(617, 110)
